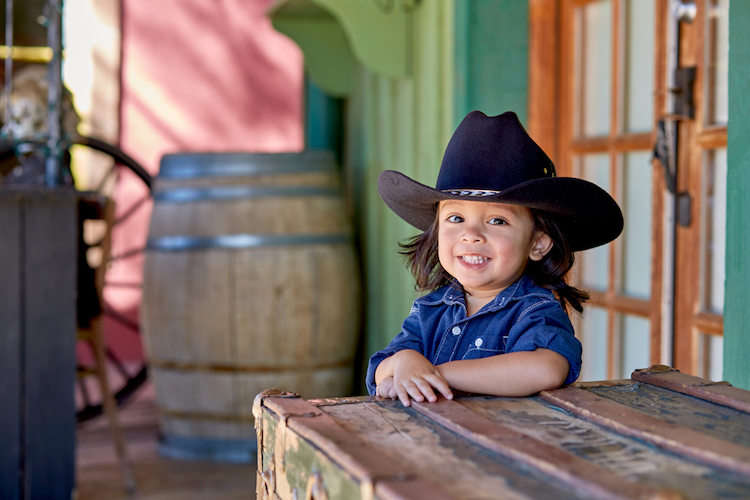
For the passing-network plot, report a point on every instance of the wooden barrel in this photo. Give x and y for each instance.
(250, 282)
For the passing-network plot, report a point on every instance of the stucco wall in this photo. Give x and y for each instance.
(198, 76)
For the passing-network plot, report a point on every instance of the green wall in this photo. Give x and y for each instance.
(736, 311)
(459, 64)
(492, 45)
(401, 124)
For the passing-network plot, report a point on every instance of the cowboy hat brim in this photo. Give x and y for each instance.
(586, 214)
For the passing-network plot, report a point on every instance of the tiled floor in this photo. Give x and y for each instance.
(99, 478)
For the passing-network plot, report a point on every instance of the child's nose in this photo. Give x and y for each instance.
(473, 233)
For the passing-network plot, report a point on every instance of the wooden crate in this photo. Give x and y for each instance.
(661, 435)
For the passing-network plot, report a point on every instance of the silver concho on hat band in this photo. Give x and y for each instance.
(471, 192)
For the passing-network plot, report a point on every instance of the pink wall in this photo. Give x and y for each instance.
(197, 75)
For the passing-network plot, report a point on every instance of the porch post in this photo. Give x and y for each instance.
(736, 310)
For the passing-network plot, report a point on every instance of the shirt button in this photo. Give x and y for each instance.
(456, 330)
(478, 342)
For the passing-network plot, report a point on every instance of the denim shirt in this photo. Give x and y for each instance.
(522, 317)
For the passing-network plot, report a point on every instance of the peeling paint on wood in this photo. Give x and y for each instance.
(568, 443)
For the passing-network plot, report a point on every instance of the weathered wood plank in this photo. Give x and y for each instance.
(480, 447)
(10, 346)
(576, 473)
(604, 383)
(461, 468)
(390, 489)
(665, 435)
(50, 271)
(718, 392)
(693, 413)
(624, 456)
(365, 465)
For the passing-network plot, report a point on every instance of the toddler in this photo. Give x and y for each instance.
(499, 234)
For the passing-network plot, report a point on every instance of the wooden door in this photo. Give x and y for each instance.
(702, 173)
(657, 291)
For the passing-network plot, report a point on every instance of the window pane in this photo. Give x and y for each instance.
(593, 71)
(639, 65)
(635, 347)
(714, 231)
(717, 55)
(592, 333)
(710, 357)
(594, 264)
(636, 237)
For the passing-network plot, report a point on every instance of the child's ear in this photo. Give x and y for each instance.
(542, 245)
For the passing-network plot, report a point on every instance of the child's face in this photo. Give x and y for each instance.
(486, 246)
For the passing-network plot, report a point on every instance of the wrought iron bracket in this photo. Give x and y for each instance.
(664, 153)
(684, 80)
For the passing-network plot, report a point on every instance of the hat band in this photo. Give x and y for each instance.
(471, 192)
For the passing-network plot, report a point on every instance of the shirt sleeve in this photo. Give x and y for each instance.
(545, 325)
(409, 338)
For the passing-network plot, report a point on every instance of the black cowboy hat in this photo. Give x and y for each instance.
(493, 159)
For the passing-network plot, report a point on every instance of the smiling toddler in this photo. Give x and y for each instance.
(499, 232)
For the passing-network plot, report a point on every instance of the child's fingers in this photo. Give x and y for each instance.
(439, 383)
(425, 388)
(384, 388)
(414, 390)
(403, 395)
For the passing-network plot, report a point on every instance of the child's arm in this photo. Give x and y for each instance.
(413, 376)
(514, 374)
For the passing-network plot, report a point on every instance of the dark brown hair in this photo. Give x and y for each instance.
(421, 257)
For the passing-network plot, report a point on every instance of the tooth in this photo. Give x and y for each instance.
(473, 259)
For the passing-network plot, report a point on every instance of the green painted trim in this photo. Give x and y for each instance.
(379, 32)
(335, 34)
(328, 59)
(736, 312)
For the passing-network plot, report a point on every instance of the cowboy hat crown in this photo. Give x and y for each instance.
(493, 159)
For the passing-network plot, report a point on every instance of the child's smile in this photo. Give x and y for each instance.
(486, 246)
(474, 259)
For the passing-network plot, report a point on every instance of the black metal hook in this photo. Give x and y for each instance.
(663, 152)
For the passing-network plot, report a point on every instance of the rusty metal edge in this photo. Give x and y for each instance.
(721, 393)
(374, 471)
(633, 423)
(576, 473)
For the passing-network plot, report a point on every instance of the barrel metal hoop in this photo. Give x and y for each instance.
(188, 195)
(240, 241)
(191, 165)
(157, 364)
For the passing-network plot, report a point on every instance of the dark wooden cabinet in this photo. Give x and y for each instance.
(38, 276)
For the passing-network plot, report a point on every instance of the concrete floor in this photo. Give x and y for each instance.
(98, 474)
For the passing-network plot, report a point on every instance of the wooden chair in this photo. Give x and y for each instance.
(94, 336)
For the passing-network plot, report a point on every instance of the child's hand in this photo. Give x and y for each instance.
(414, 376)
(385, 389)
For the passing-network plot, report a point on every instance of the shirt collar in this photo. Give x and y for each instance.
(523, 287)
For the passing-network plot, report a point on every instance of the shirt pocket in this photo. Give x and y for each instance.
(486, 346)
